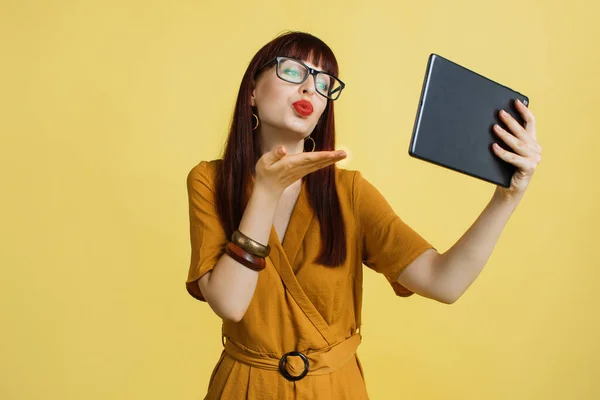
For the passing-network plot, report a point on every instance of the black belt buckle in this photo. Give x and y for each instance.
(286, 374)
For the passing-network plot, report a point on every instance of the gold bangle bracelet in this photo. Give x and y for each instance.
(251, 246)
(245, 258)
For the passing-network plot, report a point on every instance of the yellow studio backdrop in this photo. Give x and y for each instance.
(106, 106)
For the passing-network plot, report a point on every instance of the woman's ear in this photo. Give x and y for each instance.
(253, 93)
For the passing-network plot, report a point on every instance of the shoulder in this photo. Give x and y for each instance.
(353, 185)
(345, 176)
(349, 179)
(346, 182)
(203, 173)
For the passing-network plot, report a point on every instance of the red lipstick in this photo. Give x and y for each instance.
(303, 107)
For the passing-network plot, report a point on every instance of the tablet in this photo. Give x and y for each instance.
(455, 117)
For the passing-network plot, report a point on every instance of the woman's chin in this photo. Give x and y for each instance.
(292, 128)
(297, 131)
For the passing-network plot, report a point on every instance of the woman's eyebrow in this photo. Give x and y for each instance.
(315, 68)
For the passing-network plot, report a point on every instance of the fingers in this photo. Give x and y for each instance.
(519, 146)
(305, 163)
(526, 132)
(280, 152)
(527, 115)
(514, 127)
(279, 169)
(521, 139)
(275, 155)
(311, 158)
(527, 165)
(323, 163)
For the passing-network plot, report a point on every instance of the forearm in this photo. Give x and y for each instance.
(457, 268)
(230, 286)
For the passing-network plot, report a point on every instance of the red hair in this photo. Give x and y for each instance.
(241, 151)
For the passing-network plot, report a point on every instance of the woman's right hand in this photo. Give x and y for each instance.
(276, 170)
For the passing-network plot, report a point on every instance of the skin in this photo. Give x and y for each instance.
(229, 287)
(280, 124)
(442, 277)
(445, 277)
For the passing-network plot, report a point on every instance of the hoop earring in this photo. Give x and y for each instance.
(257, 122)
(313, 142)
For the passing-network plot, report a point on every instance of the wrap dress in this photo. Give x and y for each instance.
(300, 305)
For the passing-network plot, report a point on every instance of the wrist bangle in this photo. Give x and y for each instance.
(245, 258)
(251, 246)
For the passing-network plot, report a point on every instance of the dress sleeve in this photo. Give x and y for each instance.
(207, 236)
(388, 244)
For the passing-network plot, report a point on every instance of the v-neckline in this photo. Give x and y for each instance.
(284, 255)
(300, 219)
(294, 208)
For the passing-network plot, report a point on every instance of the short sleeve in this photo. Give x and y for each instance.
(207, 236)
(388, 244)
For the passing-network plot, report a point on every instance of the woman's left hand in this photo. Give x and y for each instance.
(527, 152)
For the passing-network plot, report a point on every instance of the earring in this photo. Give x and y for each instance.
(313, 143)
(257, 122)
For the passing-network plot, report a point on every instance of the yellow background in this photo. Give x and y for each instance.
(105, 107)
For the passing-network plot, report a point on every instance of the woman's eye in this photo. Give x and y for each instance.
(291, 72)
(322, 85)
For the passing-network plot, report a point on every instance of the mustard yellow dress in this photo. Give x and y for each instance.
(299, 305)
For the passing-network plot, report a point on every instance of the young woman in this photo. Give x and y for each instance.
(279, 234)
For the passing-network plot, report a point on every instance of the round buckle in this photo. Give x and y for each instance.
(283, 362)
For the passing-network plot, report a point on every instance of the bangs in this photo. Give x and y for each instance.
(306, 47)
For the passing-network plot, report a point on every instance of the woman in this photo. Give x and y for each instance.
(279, 234)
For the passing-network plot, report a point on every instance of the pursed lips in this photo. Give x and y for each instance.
(303, 107)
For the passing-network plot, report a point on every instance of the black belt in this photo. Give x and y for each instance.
(284, 371)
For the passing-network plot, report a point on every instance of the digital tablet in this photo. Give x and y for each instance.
(455, 117)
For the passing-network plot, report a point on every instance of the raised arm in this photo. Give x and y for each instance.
(447, 276)
(229, 286)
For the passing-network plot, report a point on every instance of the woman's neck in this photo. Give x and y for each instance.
(290, 140)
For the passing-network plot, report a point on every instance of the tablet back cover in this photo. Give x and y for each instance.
(455, 118)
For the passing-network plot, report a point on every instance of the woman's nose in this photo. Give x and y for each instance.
(308, 86)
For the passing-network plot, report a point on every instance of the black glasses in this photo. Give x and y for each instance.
(295, 71)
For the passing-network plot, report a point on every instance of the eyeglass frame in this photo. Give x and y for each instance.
(311, 71)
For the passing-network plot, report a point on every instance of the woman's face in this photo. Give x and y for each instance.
(277, 103)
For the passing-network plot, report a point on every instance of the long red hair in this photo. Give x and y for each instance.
(241, 151)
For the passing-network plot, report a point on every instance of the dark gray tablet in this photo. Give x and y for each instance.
(455, 117)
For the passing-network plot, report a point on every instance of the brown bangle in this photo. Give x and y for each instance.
(245, 258)
(250, 245)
